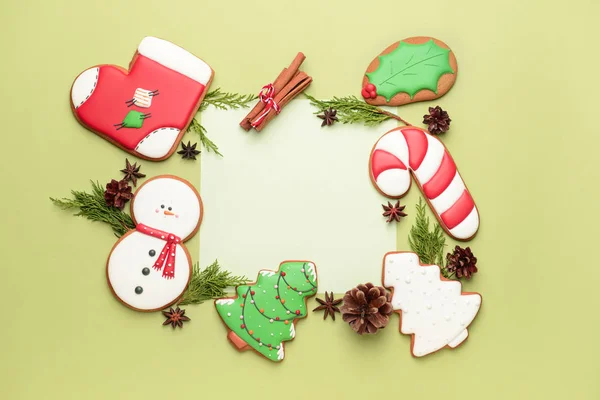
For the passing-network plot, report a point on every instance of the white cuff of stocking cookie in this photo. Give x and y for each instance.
(158, 143)
(175, 58)
(84, 86)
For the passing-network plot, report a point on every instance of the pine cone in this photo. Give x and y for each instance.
(437, 120)
(367, 308)
(461, 262)
(117, 193)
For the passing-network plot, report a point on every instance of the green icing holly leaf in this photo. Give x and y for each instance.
(410, 68)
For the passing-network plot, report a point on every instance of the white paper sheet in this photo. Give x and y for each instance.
(294, 191)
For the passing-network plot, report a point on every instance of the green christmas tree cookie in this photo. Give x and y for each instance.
(262, 315)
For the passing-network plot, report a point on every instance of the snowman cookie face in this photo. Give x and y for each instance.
(149, 268)
(169, 204)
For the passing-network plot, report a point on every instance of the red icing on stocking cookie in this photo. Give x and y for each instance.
(145, 110)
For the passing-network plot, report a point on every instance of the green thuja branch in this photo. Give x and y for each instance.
(226, 101)
(429, 245)
(208, 144)
(223, 101)
(93, 207)
(209, 283)
(351, 110)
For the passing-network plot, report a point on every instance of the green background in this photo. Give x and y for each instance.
(524, 134)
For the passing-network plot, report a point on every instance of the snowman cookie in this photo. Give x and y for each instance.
(149, 268)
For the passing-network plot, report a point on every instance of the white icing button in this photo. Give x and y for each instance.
(162, 237)
(407, 279)
(252, 301)
(271, 320)
(241, 317)
(229, 314)
(288, 311)
(260, 344)
(428, 306)
(300, 293)
(302, 270)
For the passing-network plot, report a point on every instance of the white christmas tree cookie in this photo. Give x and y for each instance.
(149, 268)
(432, 309)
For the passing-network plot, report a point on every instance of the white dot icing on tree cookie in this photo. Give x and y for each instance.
(149, 268)
(427, 312)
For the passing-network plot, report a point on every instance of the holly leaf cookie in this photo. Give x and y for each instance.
(414, 69)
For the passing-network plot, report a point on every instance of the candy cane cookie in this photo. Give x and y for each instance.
(410, 149)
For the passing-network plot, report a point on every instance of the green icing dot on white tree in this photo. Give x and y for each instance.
(262, 315)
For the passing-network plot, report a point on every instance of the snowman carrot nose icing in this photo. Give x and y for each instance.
(167, 212)
(166, 258)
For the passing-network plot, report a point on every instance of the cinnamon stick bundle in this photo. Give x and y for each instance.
(290, 82)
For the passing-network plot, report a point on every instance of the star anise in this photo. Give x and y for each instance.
(117, 193)
(329, 305)
(188, 152)
(175, 317)
(132, 172)
(393, 212)
(328, 116)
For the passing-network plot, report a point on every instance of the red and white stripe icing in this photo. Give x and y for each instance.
(413, 149)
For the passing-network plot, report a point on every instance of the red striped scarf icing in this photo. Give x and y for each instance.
(166, 258)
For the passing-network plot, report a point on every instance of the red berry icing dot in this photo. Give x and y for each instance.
(283, 274)
(277, 297)
(297, 312)
(242, 326)
(252, 293)
(370, 87)
(365, 93)
(277, 318)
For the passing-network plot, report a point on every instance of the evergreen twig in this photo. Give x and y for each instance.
(223, 101)
(209, 283)
(93, 207)
(429, 245)
(208, 144)
(351, 110)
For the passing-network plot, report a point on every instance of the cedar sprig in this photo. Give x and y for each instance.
(223, 101)
(209, 283)
(429, 245)
(93, 207)
(351, 110)
(226, 101)
(208, 144)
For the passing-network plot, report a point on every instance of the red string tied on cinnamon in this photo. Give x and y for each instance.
(266, 97)
(166, 258)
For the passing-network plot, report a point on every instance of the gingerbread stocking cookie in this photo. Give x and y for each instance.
(149, 268)
(144, 110)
